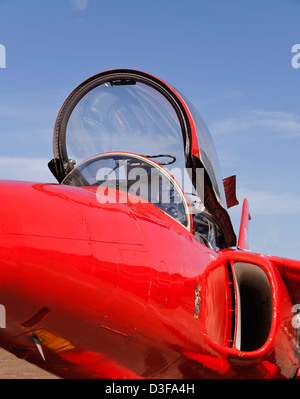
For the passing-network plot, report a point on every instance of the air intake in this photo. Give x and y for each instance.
(254, 306)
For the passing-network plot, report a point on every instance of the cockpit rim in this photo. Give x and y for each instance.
(158, 166)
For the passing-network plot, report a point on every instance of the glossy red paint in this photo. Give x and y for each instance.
(244, 227)
(120, 289)
(291, 272)
(119, 282)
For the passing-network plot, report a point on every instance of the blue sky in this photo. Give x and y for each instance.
(231, 58)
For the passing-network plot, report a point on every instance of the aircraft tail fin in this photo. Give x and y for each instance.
(243, 241)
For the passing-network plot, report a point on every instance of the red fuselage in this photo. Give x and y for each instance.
(124, 291)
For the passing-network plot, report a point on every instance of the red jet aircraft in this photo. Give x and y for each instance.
(129, 266)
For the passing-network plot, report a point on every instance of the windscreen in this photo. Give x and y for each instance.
(142, 179)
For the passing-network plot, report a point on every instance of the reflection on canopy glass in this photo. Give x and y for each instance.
(142, 179)
(133, 118)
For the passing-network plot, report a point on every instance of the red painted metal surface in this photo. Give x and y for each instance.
(121, 284)
(106, 289)
(243, 242)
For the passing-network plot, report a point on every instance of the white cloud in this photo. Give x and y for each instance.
(79, 5)
(277, 123)
(269, 203)
(281, 121)
(222, 96)
(25, 169)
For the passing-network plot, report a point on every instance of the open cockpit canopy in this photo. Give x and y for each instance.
(132, 112)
